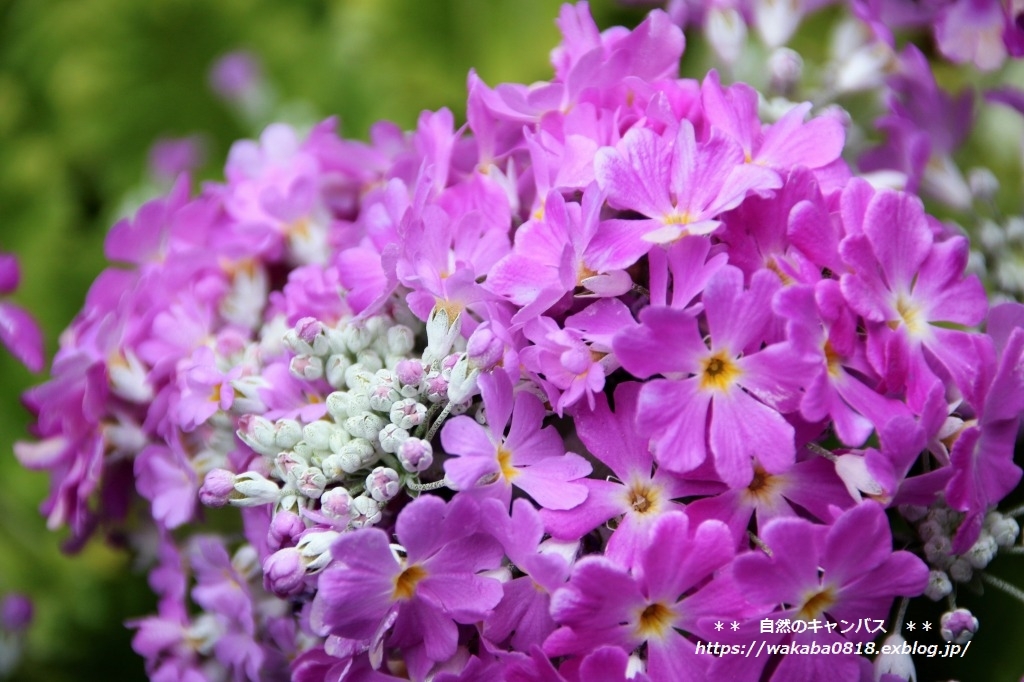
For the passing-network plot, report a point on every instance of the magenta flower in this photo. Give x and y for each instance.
(19, 332)
(638, 494)
(531, 457)
(722, 399)
(666, 595)
(680, 185)
(843, 572)
(419, 598)
(523, 617)
(908, 287)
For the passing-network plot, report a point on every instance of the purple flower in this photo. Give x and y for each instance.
(19, 332)
(845, 571)
(170, 157)
(681, 185)
(638, 494)
(530, 457)
(723, 399)
(667, 594)
(368, 590)
(909, 286)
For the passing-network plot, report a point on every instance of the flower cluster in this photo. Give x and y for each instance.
(539, 397)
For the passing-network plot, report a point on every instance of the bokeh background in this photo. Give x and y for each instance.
(86, 89)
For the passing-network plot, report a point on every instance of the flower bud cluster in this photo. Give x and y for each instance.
(937, 526)
(374, 439)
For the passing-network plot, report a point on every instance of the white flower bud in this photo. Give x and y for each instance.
(258, 433)
(338, 439)
(334, 370)
(306, 367)
(365, 512)
(983, 183)
(364, 425)
(336, 503)
(991, 236)
(443, 327)
(930, 529)
(315, 548)
(408, 413)
(356, 337)
(961, 570)
(336, 342)
(1015, 229)
(370, 360)
(383, 394)
(401, 340)
(356, 454)
(939, 585)
(391, 437)
(246, 560)
(937, 551)
(416, 455)
(318, 434)
(383, 484)
(982, 552)
(895, 660)
(462, 380)
(913, 512)
(358, 379)
(311, 482)
(288, 432)
(958, 626)
(255, 490)
(1005, 532)
(726, 30)
(289, 464)
(786, 67)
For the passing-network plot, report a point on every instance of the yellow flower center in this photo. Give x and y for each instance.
(814, 606)
(718, 372)
(655, 621)
(505, 463)
(405, 583)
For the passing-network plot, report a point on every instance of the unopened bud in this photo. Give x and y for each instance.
(311, 482)
(401, 340)
(306, 367)
(284, 572)
(255, 490)
(416, 455)
(285, 527)
(364, 425)
(383, 484)
(982, 552)
(315, 548)
(983, 183)
(334, 370)
(895, 659)
(370, 360)
(217, 488)
(391, 437)
(960, 570)
(336, 503)
(288, 432)
(357, 337)
(407, 413)
(258, 433)
(484, 349)
(318, 434)
(939, 585)
(409, 372)
(365, 512)
(786, 67)
(958, 626)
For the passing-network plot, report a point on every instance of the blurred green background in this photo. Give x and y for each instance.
(87, 86)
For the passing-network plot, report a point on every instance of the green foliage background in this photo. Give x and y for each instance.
(86, 86)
